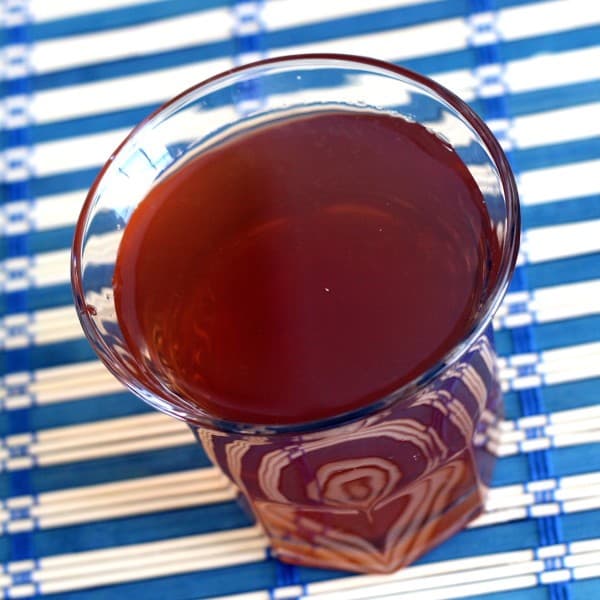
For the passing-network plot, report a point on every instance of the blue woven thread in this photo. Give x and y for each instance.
(22, 578)
(553, 563)
(286, 575)
(17, 245)
(247, 36)
(248, 28)
(494, 107)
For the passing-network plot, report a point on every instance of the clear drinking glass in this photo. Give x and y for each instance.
(372, 489)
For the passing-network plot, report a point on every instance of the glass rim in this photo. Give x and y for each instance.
(201, 418)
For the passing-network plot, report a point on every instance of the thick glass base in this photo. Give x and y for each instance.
(410, 521)
(374, 494)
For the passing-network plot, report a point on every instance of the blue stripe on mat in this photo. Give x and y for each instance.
(142, 529)
(573, 210)
(120, 119)
(118, 468)
(64, 182)
(88, 410)
(577, 460)
(55, 355)
(46, 356)
(503, 342)
(556, 155)
(554, 334)
(567, 332)
(553, 98)
(511, 470)
(574, 394)
(585, 589)
(537, 593)
(48, 240)
(5, 550)
(567, 270)
(39, 298)
(582, 526)
(79, 411)
(512, 406)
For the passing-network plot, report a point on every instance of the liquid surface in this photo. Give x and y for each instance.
(305, 268)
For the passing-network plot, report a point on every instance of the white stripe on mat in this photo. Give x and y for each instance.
(121, 93)
(487, 573)
(543, 305)
(155, 431)
(536, 129)
(90, 441)
(554, 242)
(552, 184)
(171, 33)
(550, 367)
(444, 36)
(42, 327)
(68, 572)
(132, 497)
(42, 214)
(548, 304)
(537, 499)
(37, 270)
(57, 384)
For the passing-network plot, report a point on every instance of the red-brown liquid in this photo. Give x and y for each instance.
(305, 268)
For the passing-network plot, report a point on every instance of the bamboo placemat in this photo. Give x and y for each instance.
(104, 498)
